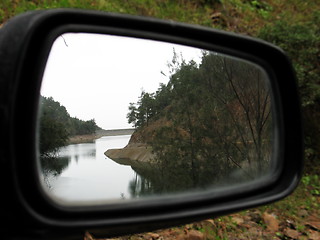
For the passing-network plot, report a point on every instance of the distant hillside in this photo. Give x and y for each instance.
(114, 132)
(57, 126)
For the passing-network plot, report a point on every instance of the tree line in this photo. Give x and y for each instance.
(56, 125)
(300, 39)
(211, 123)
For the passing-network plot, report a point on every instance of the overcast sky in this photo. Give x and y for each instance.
(97, 76)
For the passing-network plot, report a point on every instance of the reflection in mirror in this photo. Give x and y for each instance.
(124, 118)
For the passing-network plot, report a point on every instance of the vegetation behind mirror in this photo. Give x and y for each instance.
(125, 118)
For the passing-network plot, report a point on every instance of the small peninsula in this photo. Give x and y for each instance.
(133, 154)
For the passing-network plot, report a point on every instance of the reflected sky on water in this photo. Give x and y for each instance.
(90, 175)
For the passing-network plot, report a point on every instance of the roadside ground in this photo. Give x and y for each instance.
(295, 217)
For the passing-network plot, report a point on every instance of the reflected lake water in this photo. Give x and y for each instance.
(89, 175)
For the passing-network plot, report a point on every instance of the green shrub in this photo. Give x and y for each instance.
(301, 41)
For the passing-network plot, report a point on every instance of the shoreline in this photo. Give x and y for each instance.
(132, 154)
(89, 138)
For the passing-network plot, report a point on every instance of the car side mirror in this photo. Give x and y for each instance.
(215, 123)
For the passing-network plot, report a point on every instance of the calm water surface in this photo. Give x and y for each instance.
(90, 175)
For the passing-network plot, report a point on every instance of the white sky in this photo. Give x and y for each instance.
(97, 76)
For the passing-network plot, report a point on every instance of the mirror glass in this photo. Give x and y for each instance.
(123, 118)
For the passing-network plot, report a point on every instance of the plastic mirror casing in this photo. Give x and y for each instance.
(25, 43)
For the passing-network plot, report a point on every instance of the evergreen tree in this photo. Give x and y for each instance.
(56, 126)
(53, 128)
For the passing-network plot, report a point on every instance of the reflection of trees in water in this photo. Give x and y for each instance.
(53, 163)
(52, 166)
(174, 178)
(140, 186)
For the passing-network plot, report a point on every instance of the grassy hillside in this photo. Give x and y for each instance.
(242, 16)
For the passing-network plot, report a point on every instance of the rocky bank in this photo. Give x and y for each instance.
(137, 152)
(133, 154)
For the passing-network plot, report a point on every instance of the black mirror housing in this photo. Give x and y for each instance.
(25, 43)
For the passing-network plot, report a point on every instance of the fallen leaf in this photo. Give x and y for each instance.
(314, 235)
(314, 222)
(237, 220)
(271, 222)
(195, 235)
(153, 235)
(209, 221)
(291, 233)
